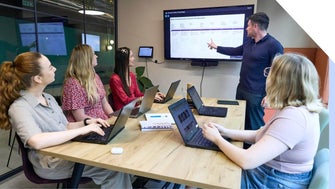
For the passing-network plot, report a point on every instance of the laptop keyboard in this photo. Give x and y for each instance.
(213, 111)
(200, 139)
(94, 135)
(208, 110)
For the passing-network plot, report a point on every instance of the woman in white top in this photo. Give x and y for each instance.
(283, 150)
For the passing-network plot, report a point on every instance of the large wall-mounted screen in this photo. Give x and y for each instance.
(187, 31)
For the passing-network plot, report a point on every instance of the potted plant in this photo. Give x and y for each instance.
(143, 82)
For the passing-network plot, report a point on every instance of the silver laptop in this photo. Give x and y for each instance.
(169, 95)
(146, 104)
(205, 110)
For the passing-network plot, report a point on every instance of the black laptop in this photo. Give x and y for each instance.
(205, 110)
(147, 101)
(169, 95)
(111, 131)
(188, 126)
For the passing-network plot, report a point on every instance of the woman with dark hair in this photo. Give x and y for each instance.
(39, 121)
(123, 83)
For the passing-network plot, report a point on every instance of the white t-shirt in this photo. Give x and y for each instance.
(299, 129)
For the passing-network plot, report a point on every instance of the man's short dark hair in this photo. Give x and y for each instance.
(261, 19)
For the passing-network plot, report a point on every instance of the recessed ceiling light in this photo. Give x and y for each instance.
(91, 12)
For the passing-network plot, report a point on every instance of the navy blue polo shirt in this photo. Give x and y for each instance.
(256, 57)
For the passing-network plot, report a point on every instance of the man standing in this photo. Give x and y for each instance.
(258, 53)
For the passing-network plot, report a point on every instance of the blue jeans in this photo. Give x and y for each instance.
(267, 177)
(254, 110)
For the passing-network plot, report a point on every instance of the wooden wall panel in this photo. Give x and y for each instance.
(321, 61)
(310, 53)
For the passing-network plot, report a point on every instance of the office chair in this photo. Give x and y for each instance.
(320, 177)
(11, 143)
(11, 146)
(324, 129)
(110, 100)
(34, 178)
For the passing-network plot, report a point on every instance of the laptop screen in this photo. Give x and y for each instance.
(122, 118)
(195, 97)
(148, 99)
(184, 119)
(172, 89)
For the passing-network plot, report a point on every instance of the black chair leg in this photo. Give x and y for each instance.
(11, 149)
(10, 136)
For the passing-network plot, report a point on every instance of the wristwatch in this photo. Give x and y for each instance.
(85, 121)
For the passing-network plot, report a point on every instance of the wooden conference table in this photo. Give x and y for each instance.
(162, 155)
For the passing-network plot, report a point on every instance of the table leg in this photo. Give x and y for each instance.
(76, 174)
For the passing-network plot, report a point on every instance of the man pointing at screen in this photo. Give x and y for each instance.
(258, 52)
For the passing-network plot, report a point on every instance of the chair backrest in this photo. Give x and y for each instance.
(324, 128)
(320, 178)
(110, 100)
(29, 170)
(33, 177)
(323, 118)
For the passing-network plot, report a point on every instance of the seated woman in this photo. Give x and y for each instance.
(123, 83)
(283, 150)
(84, 95)
(39, 121)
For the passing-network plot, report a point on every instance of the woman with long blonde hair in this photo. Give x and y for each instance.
(84, 95)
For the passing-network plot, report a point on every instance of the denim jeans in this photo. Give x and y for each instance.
(267, 177)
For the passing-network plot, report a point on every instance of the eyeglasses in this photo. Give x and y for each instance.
(266, 71)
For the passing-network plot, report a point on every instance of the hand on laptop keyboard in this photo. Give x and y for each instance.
(159, 96)
(95, 128)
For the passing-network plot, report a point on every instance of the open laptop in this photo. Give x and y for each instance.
(169, 95)
(112, 130)
(188, 126)
(205, 110)
(148, 100)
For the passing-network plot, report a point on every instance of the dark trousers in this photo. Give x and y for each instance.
(254, 110)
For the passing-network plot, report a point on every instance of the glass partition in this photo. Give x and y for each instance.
(54, 27)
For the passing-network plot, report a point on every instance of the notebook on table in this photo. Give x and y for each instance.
(169, 95)
(112, 130)
(188, 126)
(205, 110)
(147, 101)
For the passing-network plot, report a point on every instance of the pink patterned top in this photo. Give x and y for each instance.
(75, 97)
(120, 97)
